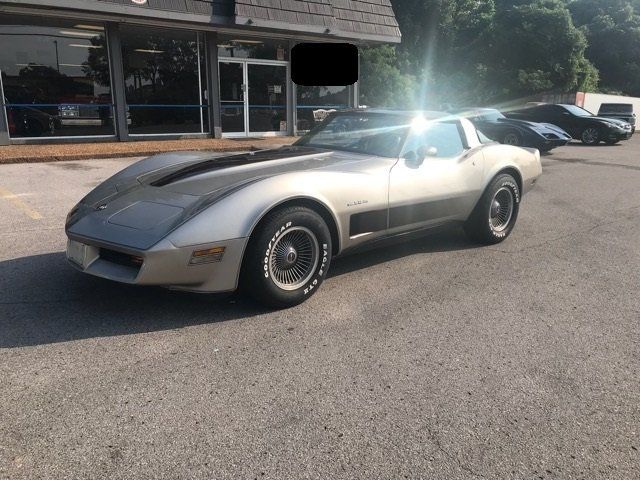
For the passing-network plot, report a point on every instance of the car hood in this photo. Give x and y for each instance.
(139, 206)
(613, 121)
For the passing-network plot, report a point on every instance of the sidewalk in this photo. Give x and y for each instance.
(83, 151)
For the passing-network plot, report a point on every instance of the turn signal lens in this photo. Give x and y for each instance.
(207, 255)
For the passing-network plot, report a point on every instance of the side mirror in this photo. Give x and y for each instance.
(415, 158)
(427, 152)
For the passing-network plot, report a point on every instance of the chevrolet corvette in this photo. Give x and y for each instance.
(270, 222)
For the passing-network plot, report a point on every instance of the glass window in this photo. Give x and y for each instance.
(261, 48)
(315, 103)
(165, 81)
(55, 77)
(577, 111)
(444, 136)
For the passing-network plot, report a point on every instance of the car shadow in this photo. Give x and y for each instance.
(443, 240)
(43, 300)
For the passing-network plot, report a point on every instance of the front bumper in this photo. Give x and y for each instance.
(163, 265)
(619, 135)
(549, 144)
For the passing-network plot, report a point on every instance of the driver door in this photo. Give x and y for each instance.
(442, 186)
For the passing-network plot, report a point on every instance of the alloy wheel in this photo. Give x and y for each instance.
(590, 135)
(512, 139)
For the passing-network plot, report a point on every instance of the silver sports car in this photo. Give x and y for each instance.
(271, 221)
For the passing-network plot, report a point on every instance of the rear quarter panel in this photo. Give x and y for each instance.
(526, 161)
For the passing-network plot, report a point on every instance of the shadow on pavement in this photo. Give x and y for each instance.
(43, 300)
(444, 240)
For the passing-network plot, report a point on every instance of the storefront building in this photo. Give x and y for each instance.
(101, 70)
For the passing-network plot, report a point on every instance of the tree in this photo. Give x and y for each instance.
(613, 31)
(536, 48)
(381, 82)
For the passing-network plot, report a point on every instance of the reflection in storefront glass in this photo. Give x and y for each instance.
(260, 48)
(165, 81)
(314, 104)
(55, 78)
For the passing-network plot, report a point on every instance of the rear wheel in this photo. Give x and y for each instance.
(512, 138)
(495, 215)
(287, 257)
(590, 136)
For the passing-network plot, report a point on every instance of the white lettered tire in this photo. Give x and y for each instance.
(287, 257)
(495, 214)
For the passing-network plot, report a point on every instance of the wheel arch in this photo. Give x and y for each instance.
(513, 171)
(313, 204)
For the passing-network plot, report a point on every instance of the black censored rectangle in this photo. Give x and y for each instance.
(324, 64)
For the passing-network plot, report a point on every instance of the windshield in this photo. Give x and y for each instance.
(374, 134)
(577, 111)
(488, 116)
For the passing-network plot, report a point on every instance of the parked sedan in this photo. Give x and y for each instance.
(492, 123)
(578, 122)
(271, 221)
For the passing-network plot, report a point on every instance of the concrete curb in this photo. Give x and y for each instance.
(100, 156)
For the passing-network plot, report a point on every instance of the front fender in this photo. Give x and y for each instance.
(236, 215)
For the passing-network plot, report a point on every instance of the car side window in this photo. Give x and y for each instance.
(445, 137)
(483, 138)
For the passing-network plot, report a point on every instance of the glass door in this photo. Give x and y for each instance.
(232, 97)
(267, 97)
(253, 98)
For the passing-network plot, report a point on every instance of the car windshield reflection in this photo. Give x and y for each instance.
(380, 135)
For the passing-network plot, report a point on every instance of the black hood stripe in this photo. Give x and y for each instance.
(220, 163)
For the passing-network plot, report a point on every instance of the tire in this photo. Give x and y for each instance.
(495, 214)
(287, 258)
(590, 136)
(512, 138)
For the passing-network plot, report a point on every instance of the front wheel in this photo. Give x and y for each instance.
(590, 136)
(287, 258)
(495, 215)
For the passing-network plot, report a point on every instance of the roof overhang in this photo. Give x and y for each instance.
(330, 24)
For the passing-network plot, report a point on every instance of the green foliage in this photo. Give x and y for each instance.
(536, 48)
(381, 82)
(470, 52)
(612, 28)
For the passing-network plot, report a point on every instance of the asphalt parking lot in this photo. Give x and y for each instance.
(433, 359)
